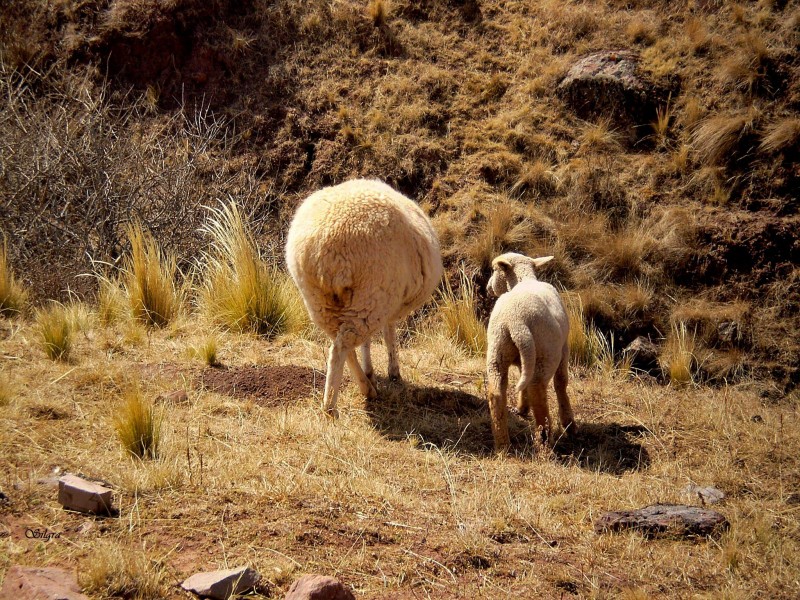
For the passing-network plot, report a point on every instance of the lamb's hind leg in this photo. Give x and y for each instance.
(497, 383)
(560, 379)
(390, 338)
(538, 401)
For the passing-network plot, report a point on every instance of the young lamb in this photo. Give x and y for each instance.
(528, 327)
(363, 256)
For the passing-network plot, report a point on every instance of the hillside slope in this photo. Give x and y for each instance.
(158, 108)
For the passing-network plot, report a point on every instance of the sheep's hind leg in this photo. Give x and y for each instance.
(366, 360)
(390, 338)
(498, 387)
(364, 384)
(333, 378)
(565, 414)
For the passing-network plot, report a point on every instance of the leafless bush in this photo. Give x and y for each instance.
(77, 168)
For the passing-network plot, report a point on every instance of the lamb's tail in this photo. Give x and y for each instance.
(523, 340)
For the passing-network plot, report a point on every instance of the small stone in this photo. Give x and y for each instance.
(75, 493)
(664, 520)
(176, 397)
(32, 583)
(222, 584)
(707, 495)
(319, 587)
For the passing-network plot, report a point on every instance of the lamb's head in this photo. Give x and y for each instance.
(510, 268)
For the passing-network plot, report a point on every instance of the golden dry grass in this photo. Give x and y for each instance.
(13, 295)
(55, 331)
(457, 314)
(138, 424)
(407, 483)
(237, 289)
(149, 279)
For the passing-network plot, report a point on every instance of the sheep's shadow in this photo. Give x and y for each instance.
(449, 418)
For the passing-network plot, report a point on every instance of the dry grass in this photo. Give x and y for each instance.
(55, 330)
(458, 316)
(237, 289)
(138, 425)
(716, 140)
(678, 358)
(503, 230)
(13, 296)
(207, 351)
(409, 478)
(781, 135)
(149, 279)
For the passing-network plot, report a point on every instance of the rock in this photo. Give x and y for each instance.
(32, 583)
(176, 397)
(664, 520)
(319, 587)
(643, 355)
(610, 84)
(729, 333)
(707, 495)
(222, 584)
(75, 493)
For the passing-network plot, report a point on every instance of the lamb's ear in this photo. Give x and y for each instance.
(538, 262)
(502, 264)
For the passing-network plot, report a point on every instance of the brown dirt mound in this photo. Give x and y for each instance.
(268, 385)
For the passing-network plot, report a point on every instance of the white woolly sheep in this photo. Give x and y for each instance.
(363, 256)
(529, 328)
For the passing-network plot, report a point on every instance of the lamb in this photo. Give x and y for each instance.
(364, 257)
(529, 328)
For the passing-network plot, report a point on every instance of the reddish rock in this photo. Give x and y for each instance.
(32, 583)
(611, 84)
(319, 587)
(222, 584)
(664, 520)
(78, 494)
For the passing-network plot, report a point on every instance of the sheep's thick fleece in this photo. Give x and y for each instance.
(528, 327)
(363, 256)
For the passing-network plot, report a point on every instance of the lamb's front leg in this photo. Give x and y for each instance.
(390, 338)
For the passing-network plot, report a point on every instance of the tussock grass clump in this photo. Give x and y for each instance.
(207, 351)
(6, 390)
(781, 135)
(149, 280)
(503, 230)
(138, 425)
(112, 304)
(678, 356)
(55, 328)
(587, 345)
(238, 289)
(12, 295)
(717, 139)
(459, 317)
(114, 571)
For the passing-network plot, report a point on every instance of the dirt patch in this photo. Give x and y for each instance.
(269, 385)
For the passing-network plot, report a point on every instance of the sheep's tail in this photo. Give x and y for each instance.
(523, 340)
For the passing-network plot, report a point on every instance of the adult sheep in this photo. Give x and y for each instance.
(363, 256)
(529, 328)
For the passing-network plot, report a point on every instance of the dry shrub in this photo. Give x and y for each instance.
(459, 316)
(13, 296)
(720, 139)
(238, 290)
(138, 425)
(149, 279)
(55, 330)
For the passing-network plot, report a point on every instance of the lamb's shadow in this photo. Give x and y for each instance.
(605, 447)
(446, 417)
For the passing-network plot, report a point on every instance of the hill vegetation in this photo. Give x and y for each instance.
(151, 155)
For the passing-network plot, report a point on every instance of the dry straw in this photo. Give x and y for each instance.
(458, 315)
(240, 291)
(12, 295)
